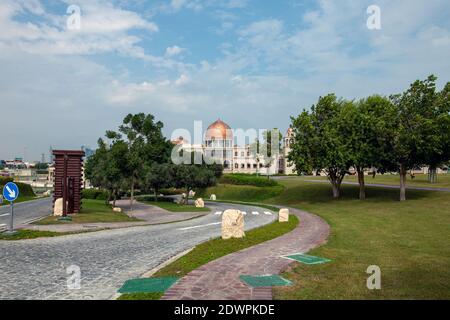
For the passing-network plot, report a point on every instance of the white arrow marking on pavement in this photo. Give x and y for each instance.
(201, 226)
(268, 213)
(12, 193)
(255, 213)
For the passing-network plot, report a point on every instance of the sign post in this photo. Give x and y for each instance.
(11, 193)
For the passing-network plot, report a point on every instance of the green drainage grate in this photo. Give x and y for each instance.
(306, 259)
(147, 285)
(265, 281)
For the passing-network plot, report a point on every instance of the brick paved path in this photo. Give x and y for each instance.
(219, 279)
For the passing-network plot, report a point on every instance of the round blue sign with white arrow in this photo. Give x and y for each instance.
(10, 191)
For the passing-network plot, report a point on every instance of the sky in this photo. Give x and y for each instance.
(251, 63)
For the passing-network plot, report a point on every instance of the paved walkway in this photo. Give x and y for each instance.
(150, 215)
(219, 279)
(378, 185)
(37, 268)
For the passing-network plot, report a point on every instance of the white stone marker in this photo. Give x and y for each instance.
(283, 215)
(58, 209)
(199, 203)
(232, 224)
(213, 197)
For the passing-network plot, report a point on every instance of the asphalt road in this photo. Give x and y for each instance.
(26, 211)
(37, 269)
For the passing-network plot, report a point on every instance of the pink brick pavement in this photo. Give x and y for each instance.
(219, 279)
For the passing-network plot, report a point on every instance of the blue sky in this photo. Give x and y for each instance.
(251, 63)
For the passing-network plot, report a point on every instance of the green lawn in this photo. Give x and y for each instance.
(241, 192)
(175, 207)
(92, 211)
(408, 240)
(30, 234)
(214, 249)
(20, 199)
(421, 180)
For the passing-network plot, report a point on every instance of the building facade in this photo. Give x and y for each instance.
(218, 146)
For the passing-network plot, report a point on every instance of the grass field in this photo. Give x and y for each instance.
(421, 180)
(214, 249)
(407, 240)
(175, 207)
(242, 192)
(20, 199)
(92, 211)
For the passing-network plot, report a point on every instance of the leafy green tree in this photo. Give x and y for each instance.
(364, 125)
(188, 177)
(422, 122)
(146, 146)
(159, 176)
(318, 144)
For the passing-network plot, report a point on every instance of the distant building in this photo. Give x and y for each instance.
(218, 144)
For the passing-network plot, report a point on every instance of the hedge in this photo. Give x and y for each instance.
(25, 190)
(94, 194)
(247, 179)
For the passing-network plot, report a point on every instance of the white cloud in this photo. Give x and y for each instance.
(174, 51)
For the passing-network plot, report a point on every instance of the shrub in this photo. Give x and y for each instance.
(249, 180)
(152, 199)
(25, 190)
(94, 194)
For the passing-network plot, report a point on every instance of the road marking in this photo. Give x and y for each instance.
(268, 213)
(255, 213)
(244, 213)
(201, 226)
(218, 213)
(4, 215)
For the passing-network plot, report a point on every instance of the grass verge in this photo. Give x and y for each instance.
(407, 240)
(92, 211)
(245, 193)
(32, 234)
(175, 207)
(216, 248)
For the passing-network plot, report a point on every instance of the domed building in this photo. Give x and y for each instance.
(219, 146)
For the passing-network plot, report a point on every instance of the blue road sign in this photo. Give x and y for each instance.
(10, 192)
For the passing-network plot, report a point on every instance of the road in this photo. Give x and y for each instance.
(26, 211)
(37, 269)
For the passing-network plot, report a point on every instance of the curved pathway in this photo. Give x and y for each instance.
(37, 269)
(219, 279)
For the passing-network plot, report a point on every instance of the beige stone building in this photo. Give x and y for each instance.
(219, 144)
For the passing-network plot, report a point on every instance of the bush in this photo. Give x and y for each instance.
(152, 199)
(94, 194)
(249, 180)
(25, 190)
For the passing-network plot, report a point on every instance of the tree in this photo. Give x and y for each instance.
(146, 146)
(159, 176)
(193, 176)
(364, 125)
(318, 144)
(422, 121)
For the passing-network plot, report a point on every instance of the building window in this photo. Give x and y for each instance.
(236, 154)
(242, 154)
(248, 154)
(260, 165)
(236, 166)
(242, 166)
(249, 166)
(254, 166)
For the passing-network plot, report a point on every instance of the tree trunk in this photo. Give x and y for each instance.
(156, 194)
(402, 182)
(336, 189)
(432, 174)
(132, 194)
(115, 198)
(362, 186)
